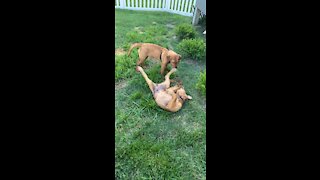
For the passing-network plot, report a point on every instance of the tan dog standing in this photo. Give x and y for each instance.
(157, 52)
(168, 98)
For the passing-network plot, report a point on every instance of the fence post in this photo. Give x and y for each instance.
(167, 5)
(122, 3)
(196, 16)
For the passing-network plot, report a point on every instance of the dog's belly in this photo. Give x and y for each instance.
(162, 99)
(159, 88)
(155, 54)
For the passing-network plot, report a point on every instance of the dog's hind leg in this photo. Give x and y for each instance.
(142, 58)
(149, 82)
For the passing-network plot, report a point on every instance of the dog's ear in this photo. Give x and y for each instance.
(178, 57)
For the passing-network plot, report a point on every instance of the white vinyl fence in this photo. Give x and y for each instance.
(182, 7)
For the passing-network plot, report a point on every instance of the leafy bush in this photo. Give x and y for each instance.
(134, 36)
(192, 48)
(185, 31)
(125, 66)
(201, 84)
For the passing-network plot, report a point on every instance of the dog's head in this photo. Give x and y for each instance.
(174, 58)
(182, 93)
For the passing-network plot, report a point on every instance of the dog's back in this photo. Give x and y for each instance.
(151, 50)
(147, 49)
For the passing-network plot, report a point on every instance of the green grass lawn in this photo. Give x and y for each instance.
(152, 143)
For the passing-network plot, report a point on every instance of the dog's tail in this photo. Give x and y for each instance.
(134, 46)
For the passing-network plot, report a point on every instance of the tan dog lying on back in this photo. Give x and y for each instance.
(168, 98)
(157, 52)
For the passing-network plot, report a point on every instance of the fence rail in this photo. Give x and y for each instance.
(182, 7)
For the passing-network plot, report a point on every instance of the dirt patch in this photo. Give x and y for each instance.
(120, 85)
(190, 61)
(120, 51)
(170, 26)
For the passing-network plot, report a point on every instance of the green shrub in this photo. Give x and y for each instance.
(125, 66)
(192, 48)
(185, 31)
(201, 84)
(134, 37)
